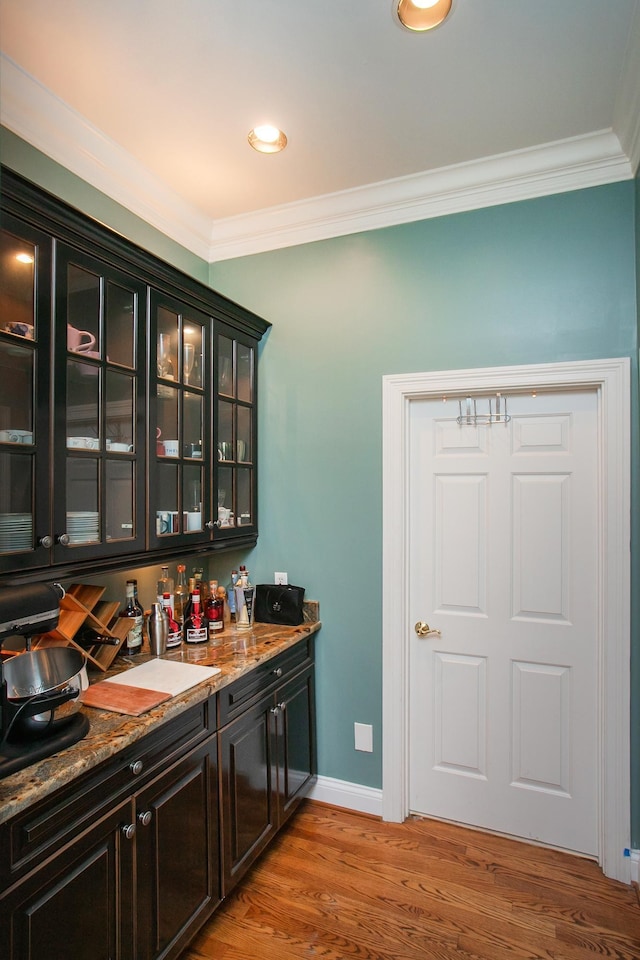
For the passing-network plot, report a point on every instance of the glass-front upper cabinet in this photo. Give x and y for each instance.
(235, 364)
(99, 452)
(25, 265)
(180, 417)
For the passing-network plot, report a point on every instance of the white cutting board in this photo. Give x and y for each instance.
(164, 676)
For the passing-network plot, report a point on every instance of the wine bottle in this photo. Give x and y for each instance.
(195, 626)
(214, 610)
(174, 637)
(132, 609)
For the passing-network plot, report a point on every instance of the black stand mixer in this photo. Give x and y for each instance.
(39, 689)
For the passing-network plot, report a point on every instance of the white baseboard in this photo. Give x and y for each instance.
(635, 866)
(352, 796)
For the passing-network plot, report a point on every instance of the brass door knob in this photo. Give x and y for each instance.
(424, 630)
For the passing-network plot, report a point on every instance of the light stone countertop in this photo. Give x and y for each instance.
(239, 653)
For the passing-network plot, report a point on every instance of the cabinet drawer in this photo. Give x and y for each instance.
(266, 676)
(41, 830)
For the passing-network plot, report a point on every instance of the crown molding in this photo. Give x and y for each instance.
(36, 115)
(571, 164)
(627, 106)
(31, 111)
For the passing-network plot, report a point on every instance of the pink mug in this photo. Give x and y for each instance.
(79, 341)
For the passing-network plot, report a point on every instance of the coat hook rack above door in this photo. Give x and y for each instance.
(496, 410)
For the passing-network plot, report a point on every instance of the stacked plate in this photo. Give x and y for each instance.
(16, 532)
(83, 526)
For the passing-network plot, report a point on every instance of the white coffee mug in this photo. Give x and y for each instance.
(171, 448)
(117, 447)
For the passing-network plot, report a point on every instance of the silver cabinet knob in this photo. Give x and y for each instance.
(277, 672)
(45, 541)
(212, 524)
(63, 539)
(128, 831)
(145, 817)
(136, 767)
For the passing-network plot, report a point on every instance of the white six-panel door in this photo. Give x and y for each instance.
(503, 561)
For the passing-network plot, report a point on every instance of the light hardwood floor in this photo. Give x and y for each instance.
(344, 886)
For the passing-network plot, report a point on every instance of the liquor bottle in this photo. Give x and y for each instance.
(181, 595)
(245, 595)
(133, 642)
(174, 636)
(201, 585)
(221, 593)
(165, 585)
(195, 626)
(231, 596)
(214, 610)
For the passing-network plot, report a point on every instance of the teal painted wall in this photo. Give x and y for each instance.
(542, 280)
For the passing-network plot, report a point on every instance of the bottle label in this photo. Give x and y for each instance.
(134, 637)
(196, 635)
(215, 626)
(174, 638)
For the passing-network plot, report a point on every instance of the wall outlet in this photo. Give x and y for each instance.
(281, 578)
(363, 737)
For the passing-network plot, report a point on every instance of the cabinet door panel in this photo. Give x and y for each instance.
(178, 863)
(248, 790)
(99, 439)
(297, 762)
(81, 906)
(25, 309)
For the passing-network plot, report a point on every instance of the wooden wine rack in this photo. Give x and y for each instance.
(81, 607)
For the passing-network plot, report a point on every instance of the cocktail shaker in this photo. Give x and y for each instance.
(158, 629)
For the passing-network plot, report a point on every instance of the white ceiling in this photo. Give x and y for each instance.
(151, 102)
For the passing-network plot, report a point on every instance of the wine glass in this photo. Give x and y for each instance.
(188, 360)
(165, 366)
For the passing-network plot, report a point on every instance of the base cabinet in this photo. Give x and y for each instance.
(128, 862)
(267, 764)
(178, 881)
(79, 906)
(138, 875)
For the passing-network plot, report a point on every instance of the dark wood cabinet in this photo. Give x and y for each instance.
(127, 862)
(267, 757)
(126, 865)
(178, 875)
(128, 417)
(79, 905)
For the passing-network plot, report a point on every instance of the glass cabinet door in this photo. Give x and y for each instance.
(25, 263)
(235, 435)
(179, 485)
(100, 453)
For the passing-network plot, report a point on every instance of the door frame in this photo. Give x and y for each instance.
(610, 379)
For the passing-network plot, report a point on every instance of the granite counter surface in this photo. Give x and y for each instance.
(240, 652)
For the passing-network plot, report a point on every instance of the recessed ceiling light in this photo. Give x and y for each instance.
(267, 139)
(421, 15)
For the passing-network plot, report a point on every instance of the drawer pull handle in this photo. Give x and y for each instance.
(128, 831)
(136, 767)
(145, 817)
(277, 672)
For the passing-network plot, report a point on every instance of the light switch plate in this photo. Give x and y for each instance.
(282, 578)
